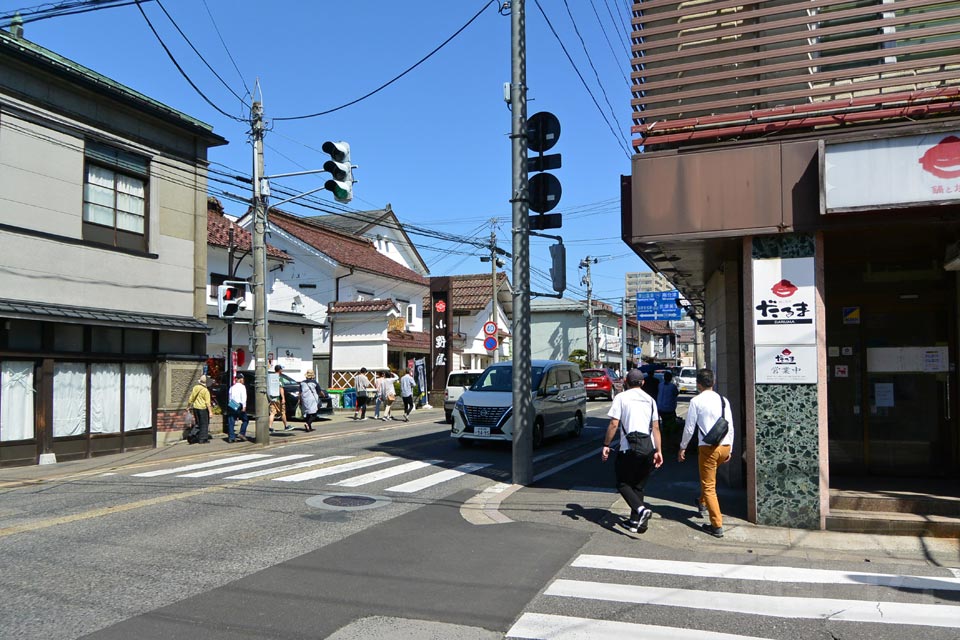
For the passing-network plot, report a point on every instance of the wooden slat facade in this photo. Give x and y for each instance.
(702, 69)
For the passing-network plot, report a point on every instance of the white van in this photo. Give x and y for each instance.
(485, 410)
(687, 380)
(457, 383)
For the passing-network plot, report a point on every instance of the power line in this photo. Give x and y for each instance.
(584, 82)
(38, 13)
(609, 44)
(622, 37)
(390, 82)
(229, 55)
(180, 69)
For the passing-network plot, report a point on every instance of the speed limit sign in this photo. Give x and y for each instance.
(489, 328)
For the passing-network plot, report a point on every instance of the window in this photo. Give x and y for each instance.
(114, 197)
(411, 313)
(16, 401)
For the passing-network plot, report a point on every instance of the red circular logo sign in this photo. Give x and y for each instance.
(440, 306)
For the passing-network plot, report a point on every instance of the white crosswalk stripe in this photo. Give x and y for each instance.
(441, 476)
(616, 591)
(200, 465)
(306, 467)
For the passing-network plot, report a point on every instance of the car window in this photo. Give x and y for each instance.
(462, 379)
(501, 379)
(594, 373)
(563, 378)
(688, 373)
(575, 376)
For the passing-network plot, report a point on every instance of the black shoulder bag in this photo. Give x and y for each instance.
(641, 444)
(719, 429)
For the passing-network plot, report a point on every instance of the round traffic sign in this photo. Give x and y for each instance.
(490, 343)
(490, 328)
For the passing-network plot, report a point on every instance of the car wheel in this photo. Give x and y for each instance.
(577, 425)
(612, 393)
(538, 433)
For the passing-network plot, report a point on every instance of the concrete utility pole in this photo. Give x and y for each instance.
(493, 274)
(586, 280)
(623, 337)
(522, 399)
(259, 278)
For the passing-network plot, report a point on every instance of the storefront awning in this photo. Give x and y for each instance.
(46, 312)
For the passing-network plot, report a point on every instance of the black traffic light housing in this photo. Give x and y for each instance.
(543, 131)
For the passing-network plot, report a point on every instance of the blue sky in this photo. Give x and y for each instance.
(434, 144)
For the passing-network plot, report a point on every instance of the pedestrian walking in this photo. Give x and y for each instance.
(651, 385)
(237, 408)
(309, 399)
(406, 393)
(386, 394)
(365, 389)
(635, 423)
(703, 413)
(278, 403)
(200, 402)
(667, 400)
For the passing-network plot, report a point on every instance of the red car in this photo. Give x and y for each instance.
(602, 383)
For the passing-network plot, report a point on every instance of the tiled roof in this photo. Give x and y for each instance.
(409, 340)
(658, 327)
(363, 306)
(218, 232)
(346, 249)
(471, 292)
(360, 222)
(43, 311)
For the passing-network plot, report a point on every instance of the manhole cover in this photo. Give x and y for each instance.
(340, 502)
(349, 501)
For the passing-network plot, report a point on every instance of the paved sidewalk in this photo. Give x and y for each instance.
(340, 423)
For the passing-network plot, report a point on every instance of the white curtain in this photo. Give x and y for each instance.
(69, 399)
(130, 200)
(98, 196)
(137, 401)
(16, 401)
(105, 398)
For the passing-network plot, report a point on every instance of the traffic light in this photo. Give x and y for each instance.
(543, 131)
(558, 266)
(340, 169)
(229, 299)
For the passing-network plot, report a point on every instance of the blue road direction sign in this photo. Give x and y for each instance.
(658, 305)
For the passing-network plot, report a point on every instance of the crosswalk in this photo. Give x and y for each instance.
(308, 467)
(614, 581)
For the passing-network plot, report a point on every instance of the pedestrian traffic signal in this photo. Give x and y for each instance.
(340, 169)
(558, 266)
(229, 299)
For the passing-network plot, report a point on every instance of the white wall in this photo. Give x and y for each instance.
(554, 334)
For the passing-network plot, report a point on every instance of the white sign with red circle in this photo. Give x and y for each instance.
(489, 328)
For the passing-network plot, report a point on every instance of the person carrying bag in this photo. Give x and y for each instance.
(709, 416)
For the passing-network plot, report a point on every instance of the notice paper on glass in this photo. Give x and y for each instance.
(883, 394)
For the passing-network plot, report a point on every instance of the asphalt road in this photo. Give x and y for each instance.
(366, 530)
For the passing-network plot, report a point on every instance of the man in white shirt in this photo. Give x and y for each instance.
(238, 394)
(704, 410)
(634, 412)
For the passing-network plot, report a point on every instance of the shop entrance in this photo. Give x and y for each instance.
(891, 331)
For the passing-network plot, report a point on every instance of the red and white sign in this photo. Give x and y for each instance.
(874, 174)
(441, 306)
(784, 301)
(786, 364)
(489, 328)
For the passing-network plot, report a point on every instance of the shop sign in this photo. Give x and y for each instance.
(893, 172)
(786, 364)
(784, 301)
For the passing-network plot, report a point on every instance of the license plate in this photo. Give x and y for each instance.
(481, 431)
(591, 385)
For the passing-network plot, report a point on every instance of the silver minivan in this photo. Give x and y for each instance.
(485, 410)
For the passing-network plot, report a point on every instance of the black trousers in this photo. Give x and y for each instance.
(632, 472)
(202, 416)
(407, 405)
(362, 405)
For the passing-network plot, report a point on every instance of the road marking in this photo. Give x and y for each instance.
(383, 474)
(436, 478)
(569, 463)
(928, 615)
(767, 574)
(335, 469)
(200, 465)
(244, 465)
(289, 467)
(551, 627)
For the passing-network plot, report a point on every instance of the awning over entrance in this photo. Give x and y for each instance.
(45, 312)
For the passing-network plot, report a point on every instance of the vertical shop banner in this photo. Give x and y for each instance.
(784, 301)
(441, 334)
(420, 374)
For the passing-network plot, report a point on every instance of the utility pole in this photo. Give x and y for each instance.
(259, 278)
(493, 274)
(623, 337)
(586, 280)
(522, 399)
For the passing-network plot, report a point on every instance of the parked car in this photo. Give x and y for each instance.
(291, 389)
(687, 380)
(602, 383)
(457, 383)
(485, 410)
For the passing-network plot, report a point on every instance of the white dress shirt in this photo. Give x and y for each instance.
(702, 413)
